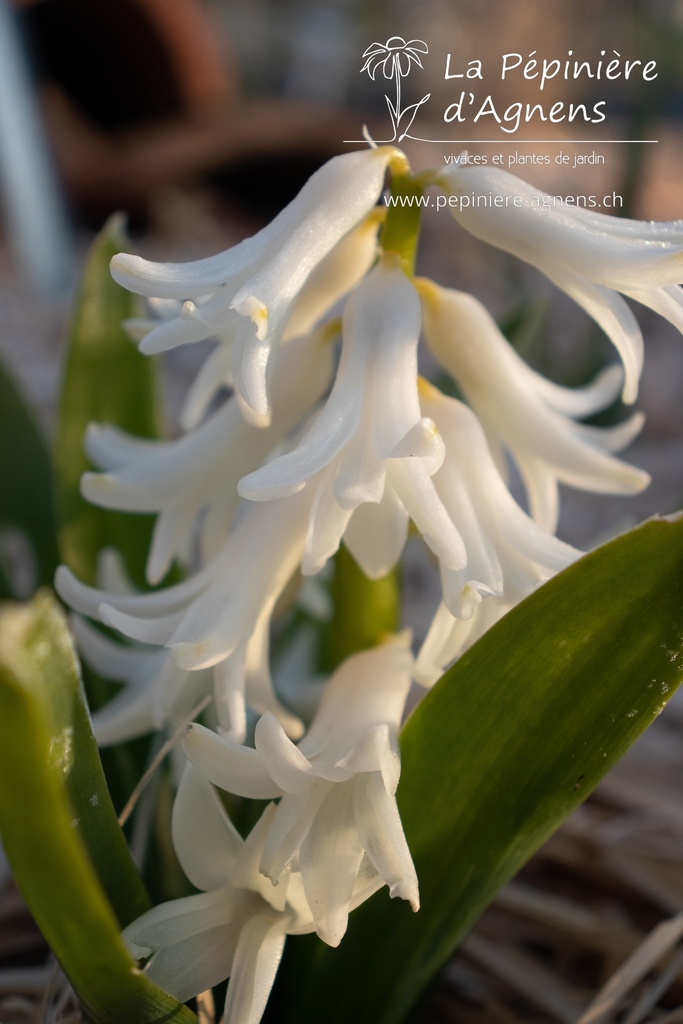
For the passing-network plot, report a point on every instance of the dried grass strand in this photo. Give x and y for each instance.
(660, 941)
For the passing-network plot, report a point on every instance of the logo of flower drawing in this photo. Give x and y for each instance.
(396, 57)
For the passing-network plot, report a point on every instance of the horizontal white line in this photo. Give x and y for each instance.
(527, 142)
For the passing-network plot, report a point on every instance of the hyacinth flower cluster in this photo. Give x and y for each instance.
(308, 427)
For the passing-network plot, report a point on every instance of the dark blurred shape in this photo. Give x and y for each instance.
(140, 94)
(128, 81)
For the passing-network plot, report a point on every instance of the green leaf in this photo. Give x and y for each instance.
(37, 656)
(55, 812)
(25, 493)
(496, 756)
(106, 381)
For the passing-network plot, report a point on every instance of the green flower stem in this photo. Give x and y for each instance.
(365, 610)
(401, 229)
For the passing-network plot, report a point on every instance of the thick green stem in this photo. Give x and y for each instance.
(401, 229)
(364, 610)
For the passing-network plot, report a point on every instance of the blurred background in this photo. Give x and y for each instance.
(200, 119)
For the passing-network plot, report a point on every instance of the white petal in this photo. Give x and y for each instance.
(423, 441)
(119, 662)
(384, 315)
(229, 693)
(593, 244)
(416, 491)
(376, 752)
(230, 766)
(580, 402)
(204, 838)
(360, 474)
(247, 874)
(376, 534)
(617, 321)
(88, 600)
(180, 280)
(374, 393)
(381, 833)
(173, 921)
(326, 525)
(336, 275)
(286, 765)
(325, 438)
(290, 825)
(368, 689)
(330, 204)
(330, 859)
(125, 717)
(448, 637)
(506, 398)
(204, 619)
(543, 493)
(215, 374)
(186, 329)
(261, 695)
(196, 963)
(257, 958)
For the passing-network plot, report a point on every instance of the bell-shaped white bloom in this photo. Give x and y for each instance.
(370, 443)
(337, 787)
(157, 695)
(220, 616)
(236, 927)
(197, 474)
(526, 414)
(508, 554)
(589, 255)
(249, 292)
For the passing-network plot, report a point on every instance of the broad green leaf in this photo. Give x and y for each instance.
(107, 381)
(54, 811)
(496, 756)
(25, 493)
(37, 658)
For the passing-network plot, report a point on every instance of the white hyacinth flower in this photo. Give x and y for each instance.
(236, 927)
(590, 256)
(249, 292)
(219, 616)
(370, 444)
(337, 787)
(507, 553)
(197, 474)
(527, 415)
